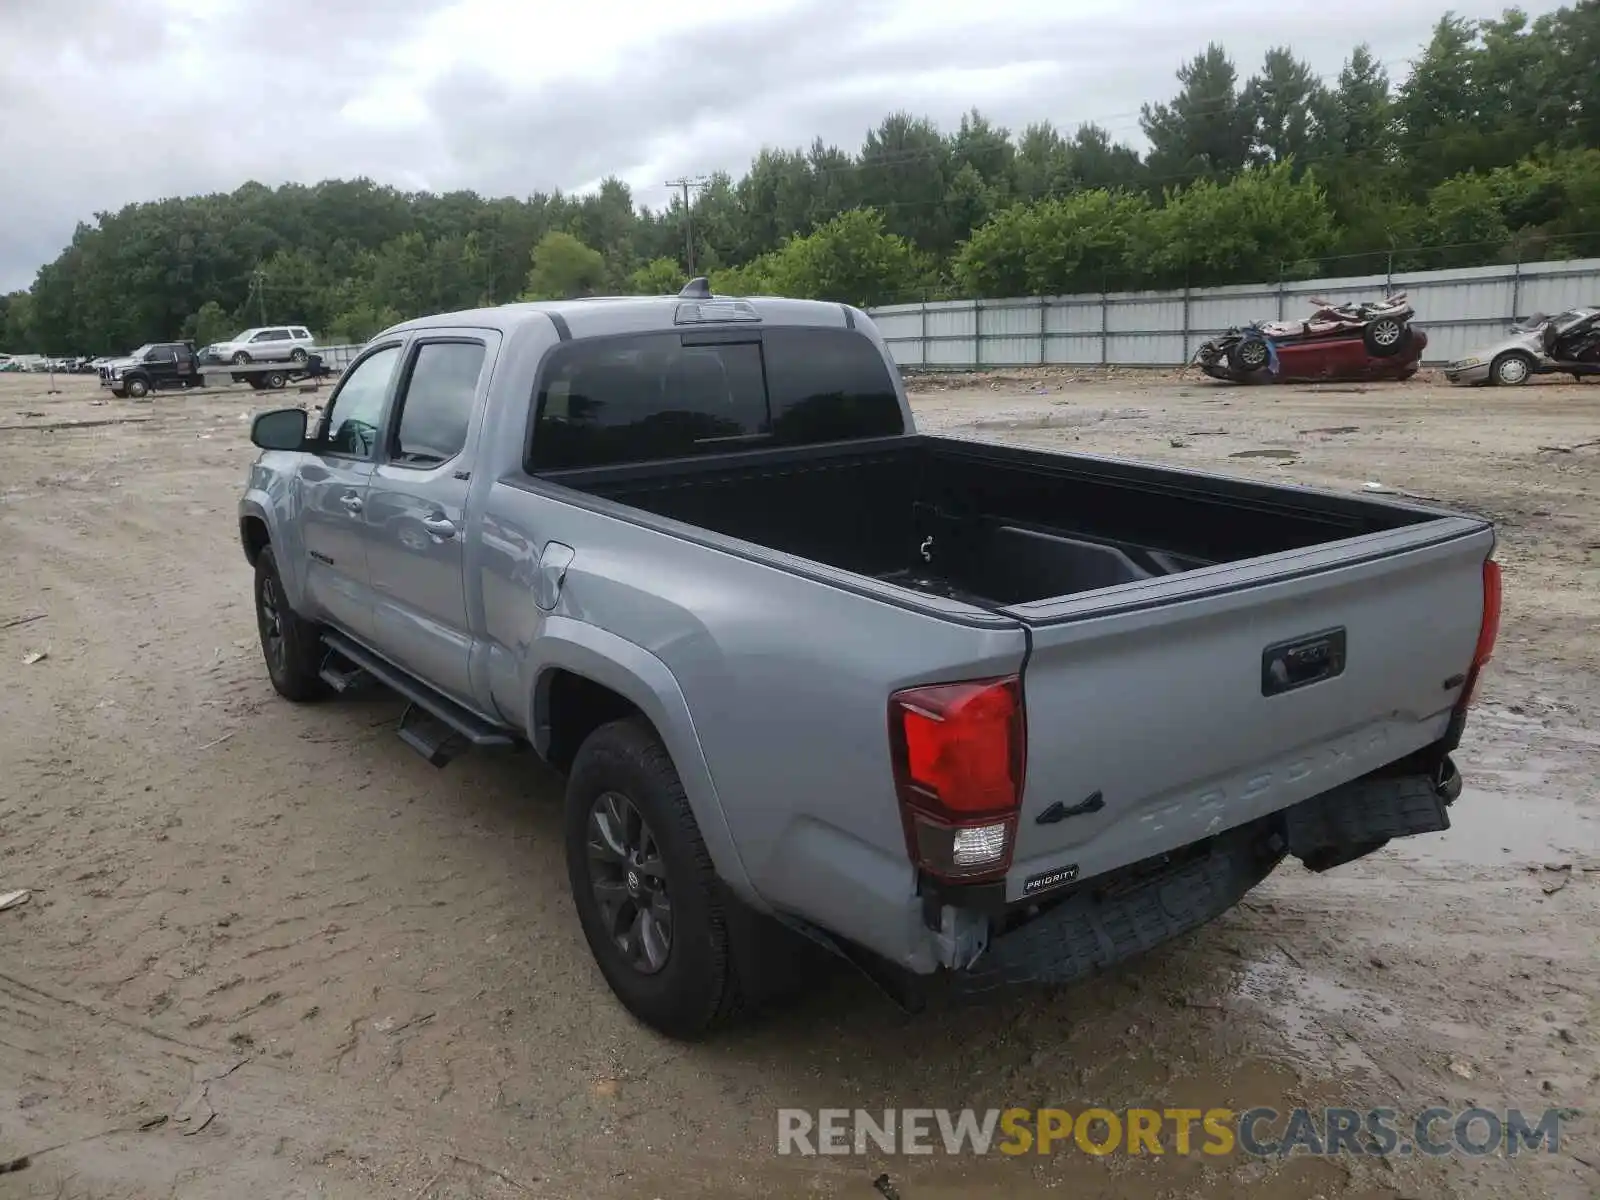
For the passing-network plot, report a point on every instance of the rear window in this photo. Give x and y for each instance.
(651, 396)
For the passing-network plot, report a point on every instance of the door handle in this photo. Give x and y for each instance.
(439, 527)
(351, 502)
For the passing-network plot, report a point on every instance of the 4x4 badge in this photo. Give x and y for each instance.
(1060, 812)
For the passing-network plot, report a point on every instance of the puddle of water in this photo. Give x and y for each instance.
(1265, 454)
(1508, 817)
(1307, 1009)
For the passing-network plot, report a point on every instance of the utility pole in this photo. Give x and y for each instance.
(687, 182)
(259, 292)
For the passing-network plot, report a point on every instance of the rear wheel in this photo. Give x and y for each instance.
(1511, 369)
(289, 643)
(1386, 336)
(642, 881)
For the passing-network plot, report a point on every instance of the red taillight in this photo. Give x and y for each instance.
(1488, 631)
(958, 751)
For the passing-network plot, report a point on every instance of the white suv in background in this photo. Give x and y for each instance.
(269, 343)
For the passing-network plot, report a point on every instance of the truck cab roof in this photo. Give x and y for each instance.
(601, 316)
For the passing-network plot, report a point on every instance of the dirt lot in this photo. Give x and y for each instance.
(271, 953)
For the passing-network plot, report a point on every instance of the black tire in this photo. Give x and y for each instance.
(254, 383)
(695, 988)
(275, 380)
(297, 355)
(289, 643)
(138, 388)
(1511, 369)
(240, 358)
(1249, 355)
(1386, 337)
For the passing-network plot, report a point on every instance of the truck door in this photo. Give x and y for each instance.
(161, 365)
(415, 512)
(333, 492)
(182, 367)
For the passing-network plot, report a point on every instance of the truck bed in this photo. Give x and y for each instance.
(991, 525)
(1201, 652)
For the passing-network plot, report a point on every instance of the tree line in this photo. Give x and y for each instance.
(1487, 151)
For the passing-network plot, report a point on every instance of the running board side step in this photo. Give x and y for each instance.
(433, 725)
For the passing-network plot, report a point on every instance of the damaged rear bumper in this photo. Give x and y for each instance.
(1117, 916)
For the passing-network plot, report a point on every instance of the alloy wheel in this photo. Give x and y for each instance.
(271, 620)
(628, 878)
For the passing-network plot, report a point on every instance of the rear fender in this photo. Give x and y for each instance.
(645, 681)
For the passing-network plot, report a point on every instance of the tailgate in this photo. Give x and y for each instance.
(1162, 713)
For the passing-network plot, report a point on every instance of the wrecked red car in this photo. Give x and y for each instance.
(1338, 341)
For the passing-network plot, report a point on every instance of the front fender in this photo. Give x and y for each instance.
(644, 680)
(268, 498)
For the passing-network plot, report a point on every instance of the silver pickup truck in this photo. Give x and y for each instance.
(968, 715)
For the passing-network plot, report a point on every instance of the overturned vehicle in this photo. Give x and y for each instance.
(1338, 341)
(1565, 344)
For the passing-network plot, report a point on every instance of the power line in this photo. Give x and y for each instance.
(687, 182)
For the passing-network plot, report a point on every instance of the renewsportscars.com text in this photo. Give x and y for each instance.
(1259, 1132)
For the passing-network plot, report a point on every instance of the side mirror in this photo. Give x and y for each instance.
(280, 429)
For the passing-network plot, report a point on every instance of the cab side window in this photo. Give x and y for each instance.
(437, 405)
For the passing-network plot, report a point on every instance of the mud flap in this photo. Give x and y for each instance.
(1352, 821)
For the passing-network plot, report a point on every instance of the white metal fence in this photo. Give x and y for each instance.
(1459, 309)
(337, 357)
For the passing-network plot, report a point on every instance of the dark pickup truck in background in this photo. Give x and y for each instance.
(947, 708)
(154, 367)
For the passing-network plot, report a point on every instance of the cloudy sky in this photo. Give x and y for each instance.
(105, 102)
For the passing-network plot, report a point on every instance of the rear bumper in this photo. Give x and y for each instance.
(1125, 913)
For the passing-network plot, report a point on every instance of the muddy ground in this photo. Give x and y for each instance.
(269, 952)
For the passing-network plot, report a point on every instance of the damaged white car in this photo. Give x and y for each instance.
(1565, 344)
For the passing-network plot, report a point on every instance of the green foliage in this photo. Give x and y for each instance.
(1492, 139)
(209, 325)
(1206, 131)
(853, 258)
(16, 323)
(563, 269)
(1261, 223)
(658, 277)
(1079, 243)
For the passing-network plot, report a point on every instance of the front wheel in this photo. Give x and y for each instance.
(138, 389)
(1511, 370)
(1249, 355)
(275, 380)
(241, 358)
(289, 643)
(643, 884)
(297, 355)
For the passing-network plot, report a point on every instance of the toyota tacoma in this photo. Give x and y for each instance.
(968, 715)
